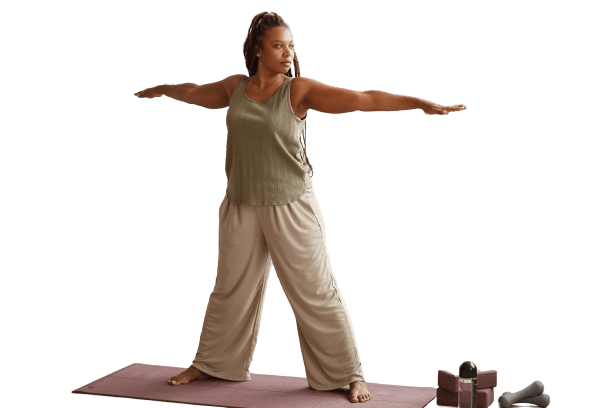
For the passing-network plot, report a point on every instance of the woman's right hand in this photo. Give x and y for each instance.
(149, 93)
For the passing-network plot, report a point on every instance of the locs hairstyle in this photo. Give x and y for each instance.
(260, 25)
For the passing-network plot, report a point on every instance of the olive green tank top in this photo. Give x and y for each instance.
(264, 161)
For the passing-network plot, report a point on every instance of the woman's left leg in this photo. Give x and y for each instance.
(295, 234)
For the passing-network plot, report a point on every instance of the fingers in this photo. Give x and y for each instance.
(454, 108)
(443, 110)
(149, 93)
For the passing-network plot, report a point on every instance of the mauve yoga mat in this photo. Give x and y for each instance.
(150, 382)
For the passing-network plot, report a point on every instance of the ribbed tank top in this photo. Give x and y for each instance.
(264, 161)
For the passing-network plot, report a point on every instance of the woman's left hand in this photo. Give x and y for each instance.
(431, 108)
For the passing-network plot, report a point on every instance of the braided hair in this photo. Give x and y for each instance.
(260, 25)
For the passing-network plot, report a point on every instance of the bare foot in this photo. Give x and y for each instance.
(188, 375)
(359, 392)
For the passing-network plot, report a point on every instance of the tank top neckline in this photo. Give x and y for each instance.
(267, 100)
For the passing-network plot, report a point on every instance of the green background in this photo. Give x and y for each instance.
(483, 235)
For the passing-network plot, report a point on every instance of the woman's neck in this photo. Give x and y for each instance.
(264, 80)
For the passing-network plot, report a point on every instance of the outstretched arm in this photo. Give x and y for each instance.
(330, 99)
(212, 96)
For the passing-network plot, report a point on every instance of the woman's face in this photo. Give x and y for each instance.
(277, 49)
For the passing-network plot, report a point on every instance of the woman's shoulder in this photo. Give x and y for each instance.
(301, 81)
(304, 79)
(300, 86)
(303, 84)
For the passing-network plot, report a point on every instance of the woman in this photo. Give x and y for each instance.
(270, 213)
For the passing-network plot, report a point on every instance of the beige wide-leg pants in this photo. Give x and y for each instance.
(292, 236)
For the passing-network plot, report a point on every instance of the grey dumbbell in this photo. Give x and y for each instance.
(508, 398)
(540, 400)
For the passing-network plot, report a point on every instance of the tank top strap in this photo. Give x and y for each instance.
(239, 88)
(282, 93)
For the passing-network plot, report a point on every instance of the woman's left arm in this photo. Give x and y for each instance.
(330, 99)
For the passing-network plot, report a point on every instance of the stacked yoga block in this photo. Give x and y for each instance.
(448, 388)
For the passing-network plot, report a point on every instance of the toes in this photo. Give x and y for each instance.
(359, 398)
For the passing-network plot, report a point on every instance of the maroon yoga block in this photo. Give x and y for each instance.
(484, 397)
(449, 381)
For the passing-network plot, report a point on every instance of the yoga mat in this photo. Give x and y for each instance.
(150, 382)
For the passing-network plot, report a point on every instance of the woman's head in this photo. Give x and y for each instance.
(277, 46)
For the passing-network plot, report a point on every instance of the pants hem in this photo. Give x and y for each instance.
(348, 379)
(220, 374)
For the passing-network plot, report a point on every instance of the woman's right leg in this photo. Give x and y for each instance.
(231, 323)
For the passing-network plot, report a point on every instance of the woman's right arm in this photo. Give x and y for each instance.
(215, 95)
